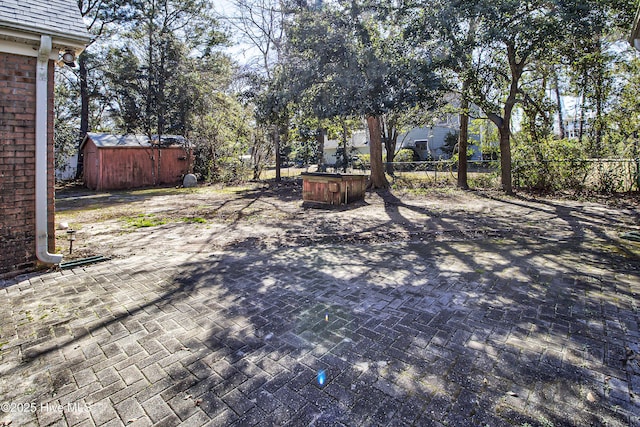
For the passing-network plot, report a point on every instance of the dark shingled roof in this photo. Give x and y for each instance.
(52, 17)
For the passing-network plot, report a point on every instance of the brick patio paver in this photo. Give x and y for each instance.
(497, 331)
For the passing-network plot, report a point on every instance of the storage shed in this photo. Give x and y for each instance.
(116, 162)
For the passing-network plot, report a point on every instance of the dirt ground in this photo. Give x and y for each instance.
(172, 221)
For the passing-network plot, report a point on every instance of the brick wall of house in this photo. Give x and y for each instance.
(17, 162)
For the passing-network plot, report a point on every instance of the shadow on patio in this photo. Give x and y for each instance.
(508, 327)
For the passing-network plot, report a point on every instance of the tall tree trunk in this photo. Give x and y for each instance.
(160, 98)
(463, 137)
(505, 158)
(556, 87)
(391, 151)
(504, 129)
(599, 95)
(390, 139)
(597, 122)
(377, 180)
(504, 124)
(84, 109)
(84, 95)
(345, 144)
(276, 141)
(581, 122)
(150, 100)
(505, 143)
(320, 142)
(256, 158)
(160, 108)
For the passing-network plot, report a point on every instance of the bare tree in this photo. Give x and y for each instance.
(260, 24)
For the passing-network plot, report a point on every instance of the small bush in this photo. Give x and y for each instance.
(484, 180)
(404, 155)
(549, 165)
(610, 178)
(233, 170)
(363, 162)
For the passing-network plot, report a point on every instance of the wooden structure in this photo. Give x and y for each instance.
(333, 189)
(117, 162)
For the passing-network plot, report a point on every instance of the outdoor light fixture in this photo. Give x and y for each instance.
(72, 237)
(69, 58)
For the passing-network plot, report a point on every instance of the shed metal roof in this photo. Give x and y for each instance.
(60, 18)
(107, 140)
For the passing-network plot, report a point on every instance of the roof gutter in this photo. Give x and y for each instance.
(42, 95)
(67, 39)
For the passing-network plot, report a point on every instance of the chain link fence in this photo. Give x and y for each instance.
(602, 175)
(442, 171)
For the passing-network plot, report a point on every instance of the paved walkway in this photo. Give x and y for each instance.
(500, 331)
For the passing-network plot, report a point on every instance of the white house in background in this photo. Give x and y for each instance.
(358, 144)
(428, 143)
(572, 125)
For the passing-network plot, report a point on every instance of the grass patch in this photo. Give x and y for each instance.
(144, 220)
(195, 220)
(236, 189)
(160, 191)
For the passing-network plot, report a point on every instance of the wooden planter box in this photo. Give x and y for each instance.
(333, 188)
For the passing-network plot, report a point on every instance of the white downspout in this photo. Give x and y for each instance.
(42, 118)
